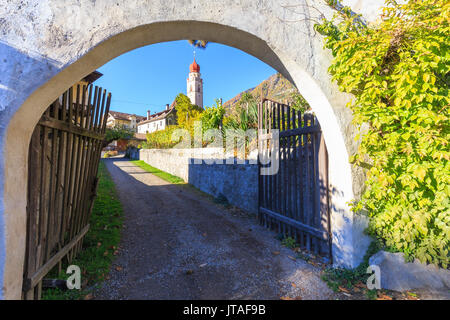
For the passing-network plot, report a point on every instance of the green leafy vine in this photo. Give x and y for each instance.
(398, 72)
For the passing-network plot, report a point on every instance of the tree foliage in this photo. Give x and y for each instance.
(187, 113)
(161, 139)
(299, 103)
(117, 132)
(212, 116)
(245, 116)
(398, 73)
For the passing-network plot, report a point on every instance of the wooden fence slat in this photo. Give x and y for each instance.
(89, 108)
(78, 173)
(52, 188)
(73, 170)
(33, 205)
(43, 211)
(81, 186)
(86, 186)
(85, 105)
(99, 118)
(95, 151)
(43, 270)
(64, 126)
(64, 154)
(97, 108)
(67, 169)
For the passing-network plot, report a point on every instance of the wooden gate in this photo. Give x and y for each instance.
(293, 196)
(64, 154)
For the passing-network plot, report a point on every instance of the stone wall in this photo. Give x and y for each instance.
(199, 167)
(237, 182)
(132, 153)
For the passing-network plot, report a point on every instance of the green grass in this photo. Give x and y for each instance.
(100, 242)
(180, 182)
(289, 242)
(348, 278)
(159, 173)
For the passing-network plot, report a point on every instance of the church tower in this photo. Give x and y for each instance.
(195, 85)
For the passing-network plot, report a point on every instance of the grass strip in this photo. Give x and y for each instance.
(100, 244)
(159, 173)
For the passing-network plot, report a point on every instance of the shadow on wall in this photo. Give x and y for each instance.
(43, 69)
(238, 183)
(348, 232)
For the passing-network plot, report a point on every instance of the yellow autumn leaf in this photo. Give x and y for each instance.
(420, 173)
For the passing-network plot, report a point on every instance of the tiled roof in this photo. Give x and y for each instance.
(160, 115)
(194, 67)
(125, 116)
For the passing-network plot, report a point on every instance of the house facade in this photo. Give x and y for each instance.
(122, 119)
(159, 120)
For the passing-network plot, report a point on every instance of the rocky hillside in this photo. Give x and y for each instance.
(276, 87)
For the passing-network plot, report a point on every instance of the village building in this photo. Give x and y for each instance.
(159, 120)
(126, 120)
(122, 144)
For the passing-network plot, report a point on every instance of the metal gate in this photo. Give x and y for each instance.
(64, 154)
(293, 195)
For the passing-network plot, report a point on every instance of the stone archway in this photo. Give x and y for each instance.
(47, 54)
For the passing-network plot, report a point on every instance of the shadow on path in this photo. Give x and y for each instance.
(178, 244)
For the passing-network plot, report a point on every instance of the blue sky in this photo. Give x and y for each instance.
(151, 76)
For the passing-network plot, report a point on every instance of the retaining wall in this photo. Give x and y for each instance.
(199, 167)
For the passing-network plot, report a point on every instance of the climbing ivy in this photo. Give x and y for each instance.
(398, 72)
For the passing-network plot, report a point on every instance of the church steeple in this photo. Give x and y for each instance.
(195, 84)
(194, 67)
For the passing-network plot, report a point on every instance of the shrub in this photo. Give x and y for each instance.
(109, 154)
(212, 117)
(398, 73)
(161, 139)
(187, 113)
(117, 132)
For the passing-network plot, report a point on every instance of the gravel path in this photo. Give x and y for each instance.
(178, 244)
